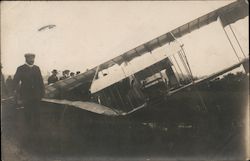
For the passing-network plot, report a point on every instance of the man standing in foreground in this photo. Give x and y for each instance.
(31, 90)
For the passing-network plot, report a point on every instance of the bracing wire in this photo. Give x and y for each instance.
(230, 41)
(187, 67)
(125, 75)
(192, 79)
(154, 59)
(184, 64)
(96, 73)
(178, 66)
(237, 40)
(150, 68)
(177, 74)
(186, 61)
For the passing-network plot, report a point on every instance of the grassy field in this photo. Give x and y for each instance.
(207, 122)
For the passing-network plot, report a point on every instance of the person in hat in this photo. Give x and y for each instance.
(65, 74)
(31, 90)
(72, 74)
(9, 85)
(53, 78)
(4, 90)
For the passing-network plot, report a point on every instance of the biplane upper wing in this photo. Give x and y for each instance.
(228, 14)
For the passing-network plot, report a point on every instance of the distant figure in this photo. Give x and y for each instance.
(53, 78)
(9, 85)
(78, 72)
(31, 90)
(173, 81)
(72, 74)
(135, 93)
(65, 74)
(4, 91)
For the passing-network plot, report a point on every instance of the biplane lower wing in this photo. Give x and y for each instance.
(88, 106)
(92, 107)
(212, 76)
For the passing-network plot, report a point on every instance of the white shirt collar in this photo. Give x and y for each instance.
(29, 65)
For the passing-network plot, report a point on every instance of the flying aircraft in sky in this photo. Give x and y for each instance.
(47, 27)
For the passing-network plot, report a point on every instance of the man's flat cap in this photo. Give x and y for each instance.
(29, 55)
(54, 71)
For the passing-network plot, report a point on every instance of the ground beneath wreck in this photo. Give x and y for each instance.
(178, 128)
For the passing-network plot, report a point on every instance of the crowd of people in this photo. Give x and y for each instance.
(9, 86)
(65, 74)
(6, 86)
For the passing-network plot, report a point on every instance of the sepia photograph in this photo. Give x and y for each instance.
(125, 80)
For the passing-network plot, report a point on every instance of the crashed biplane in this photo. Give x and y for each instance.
(101, 92)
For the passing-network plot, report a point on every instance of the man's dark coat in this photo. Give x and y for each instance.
(32, 86)
(52, 79)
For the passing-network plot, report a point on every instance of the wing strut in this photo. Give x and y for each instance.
(231, 44)
(183, 56)
(177, 74)
(96, 72)
(237, 40)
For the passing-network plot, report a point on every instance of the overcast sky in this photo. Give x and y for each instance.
(89, 33)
